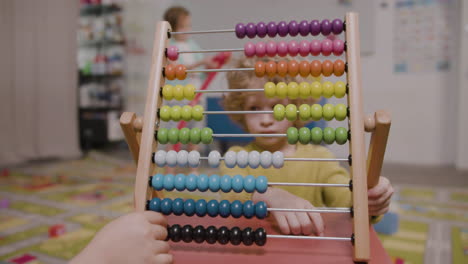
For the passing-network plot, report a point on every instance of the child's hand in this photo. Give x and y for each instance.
(291, 222)
(133, 238)
(379, 197)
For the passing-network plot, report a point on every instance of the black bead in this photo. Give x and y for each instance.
(223, 235)
(260, 237)
(199, 234)
(248, 236)
(175, 233)
(187, 235)
(211, 235)
(235, 236)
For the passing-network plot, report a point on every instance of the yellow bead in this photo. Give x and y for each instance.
(165, 113)
(340, 112)
(189, 92)
(197, 113)
(279, 112)
(304, 112)
(293, 90)
(186, 113)
(281, 90)
(270, 89)
(176, 113)
(178, 92)
(167, 92)
(328, 89)
(304, 90)
(316, 89)
(291, 112)
(340, 89)
(328, 112)
(316, 112)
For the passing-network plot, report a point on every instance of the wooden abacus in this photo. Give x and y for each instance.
(140, 131)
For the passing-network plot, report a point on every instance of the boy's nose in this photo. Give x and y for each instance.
(266, 119)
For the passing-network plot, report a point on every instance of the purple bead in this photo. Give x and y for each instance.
(283, 29)
(172, 53)
(293, 28)
(260, 49)
(338, 47)
(271, 48)
(251, 30)
(293, 48)
(304, 48)
(240, 30)
(326, 27)
(315, 47)
(337, 26)
(272, 29)
(304, 28)
(261, 29)
(249, 49)
(327, 47)
(282, 48)
(315, 27)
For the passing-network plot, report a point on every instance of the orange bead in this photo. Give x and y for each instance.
(169, 71)
(180, 72)
(338, 67)
(293, 68)
(316, 68)
(327, 68)
(304, 68)
(259, 68)
(282, 68)
(271, 68)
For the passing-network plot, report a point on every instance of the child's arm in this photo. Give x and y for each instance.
(133, 238)
(380, 197)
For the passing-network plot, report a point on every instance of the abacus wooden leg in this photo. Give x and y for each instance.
(126, 123)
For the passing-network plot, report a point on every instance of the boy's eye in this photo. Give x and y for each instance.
(253, 108)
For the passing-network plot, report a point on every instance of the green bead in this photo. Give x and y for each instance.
(341, 135)
(304, 135)
(178, 92)
(165, 113)
(291, 112)
(162, 135)
(270, 89)
(316, 89)
(328, 112)
(329, 135)
(184, 135)
(304, 90)
(206, 135)
(176, 113)
(316, 135)
(195, 135)
(304, 112)
(186, 113)
(173, 135)
(340, 89)
(328, 89)
(293, 90)
(167, 92)
(197, 113)
(293, 135)
(340, 112)
(279, 111)
(316, 112)
(281, 90)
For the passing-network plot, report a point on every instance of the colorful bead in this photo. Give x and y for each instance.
(254, 159)
(328, 89)
(293, 28)
(155, 205)
(261, 29)
(304, 90)
(167, 92)
(272, 29)
(174, 233)
(315, 68)
(157, 181)
(293, 135)
(199, 234)
(271, 48)
(270, 68)
(236, 209)
(315, 27)
(304, 68)
(214, 183)
(197, 113)
(180, 72)
(173, 135)
(213, 159)
(340, 112)
(171, 158)
(189, 207)
(304, 28)
(304, 48)
(212, 208)
(265, 159)
(206, 135)
(166, 206)
(237, 183)
(316, 89)
(341, 135)
(211, 235)
(293, 90)
(170, 72)
(304, 112)
(260, 236)
(240, 30)
(249, 183)
(315, 47)
(203, 182)
(316, 112)
(186, 233)
(223, 235)
(178, 92)
(327, 47)
(189, 92)
(179, 182)
(279, 111)
(278, 159)
(328, 112)
(338, 47)
(327, 68)
(261, 210)
(200, 207)
(176, 113)
(259, 68)
(230, 159)
(186, 113)
(224, 208)
(337, 26)
(226, 183)
(162, 135)
(282, 68)
(340, 89)
(165, 113)
(304, 135)
(242, 159)
(195, 135)
(160, 158)
(182, 158)
(251, 30)
(293, 68)
(329, 135)
(326, 27)
(249, 49)
(281, 90)
(184, 135)
(338, 67)
(260, 49)
(283, 29)
(168, 182)
(282, 48)
(247, 236)
(178, 206)
(316, 135)
(293, 48)
(291, 112)
(194, 158)
(248, 209)
(270, 89)
(172, 53)
(235, 236)
(261, 184)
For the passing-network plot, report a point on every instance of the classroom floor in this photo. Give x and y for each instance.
(50, 210)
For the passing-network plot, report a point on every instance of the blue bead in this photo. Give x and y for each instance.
(261, 184)
(169, 182)
(202, 182)
(166, 206)
(191, 182)
(155, 204)
(200, 207)
(189, 207)
(179, 182)
(248, 209)
(226, 183)
(236, 209)
(178, 206)
(212, 208)
(249, 184)
(238, 183)
(214, 183)
(260, 210)
(157, 182)
(224, 208)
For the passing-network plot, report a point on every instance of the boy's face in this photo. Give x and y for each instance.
(184, 24)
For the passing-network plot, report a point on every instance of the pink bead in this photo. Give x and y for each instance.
(260, 49)
(338, 47)
(293, 48)
(304, 48)
(172, 53)
(271, 48)
(315, 47)
(249, 49)
(327, 47)
(282, 48)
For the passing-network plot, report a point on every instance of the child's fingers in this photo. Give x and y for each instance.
(378, 212)
(155, 218)
(306, 224)
(387, 195)
(293, 223)
(380, 188)
(317, 222)
(373, 210)
(159, 232)
(282, 223)
(161, 247)
(163, 259)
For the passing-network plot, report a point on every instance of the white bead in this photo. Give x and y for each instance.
(160, 158)
(182, 157)
(213, 159)
(254, 159)
(265, 159)
(242, 159)
(171, 158)
(278, 159)
(194, 158)
(230, 159)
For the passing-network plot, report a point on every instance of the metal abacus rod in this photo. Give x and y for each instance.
(309, 184)
(316, 210)
(211, 50)
(220, 70)
(310, 237)
(202, 31)
(230, 90)
(298, 159)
